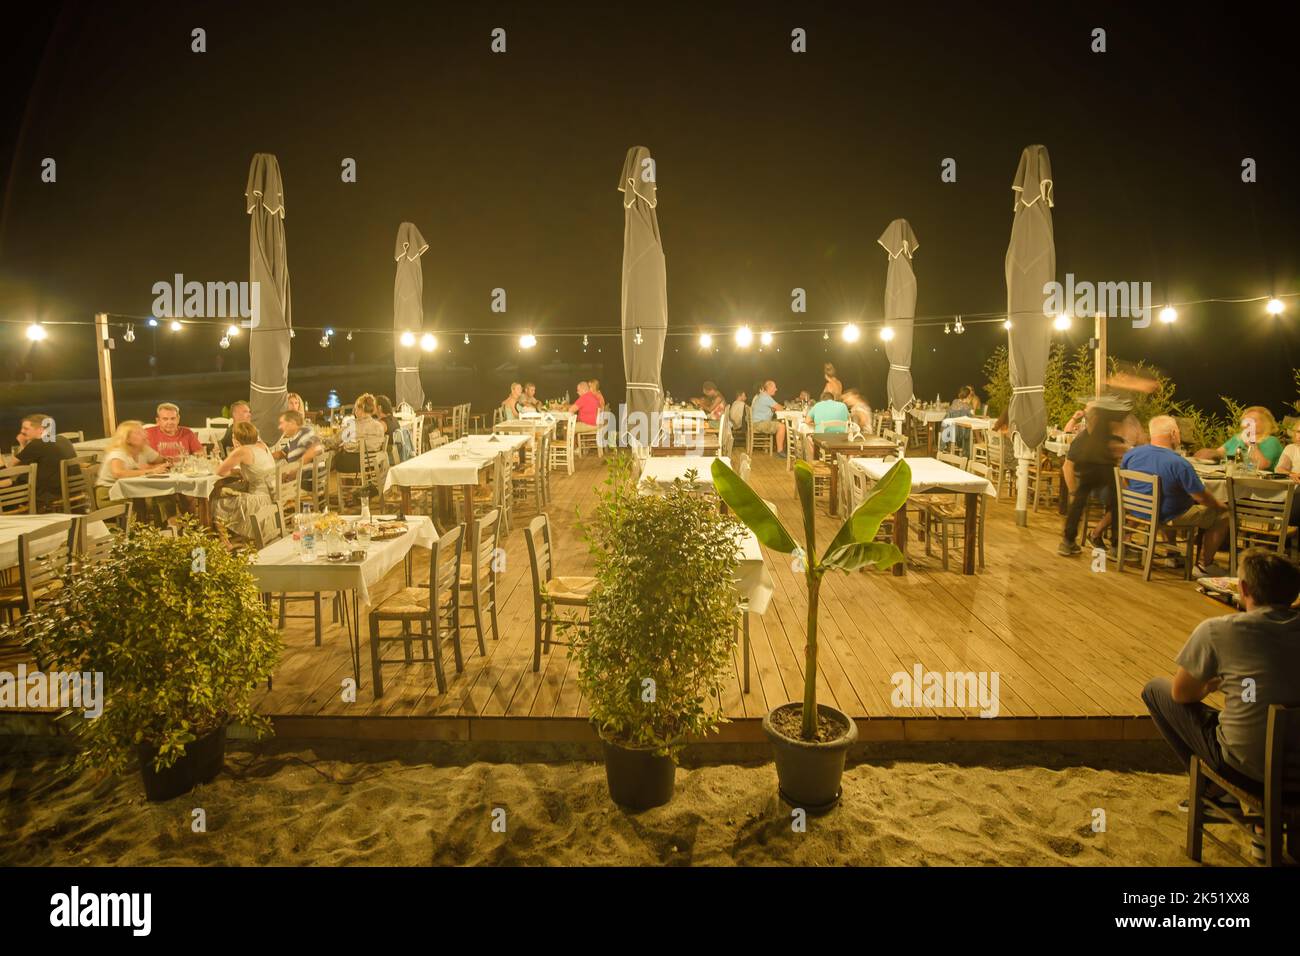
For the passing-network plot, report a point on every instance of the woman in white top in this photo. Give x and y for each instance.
(1289, 463)
(238, 510)
(128, 456)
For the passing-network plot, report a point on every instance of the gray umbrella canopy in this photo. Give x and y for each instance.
(900, 307)
(268, 270)
(408, 313)
(645, 294)
(1031, 264)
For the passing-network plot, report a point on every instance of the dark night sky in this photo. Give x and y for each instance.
(775, 170)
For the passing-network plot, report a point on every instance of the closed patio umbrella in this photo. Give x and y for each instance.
(645, 295)
(900, 306)
(1031, 264)
(408, 313)
(268, 268)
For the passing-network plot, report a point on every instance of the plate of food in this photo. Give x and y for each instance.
(388, 530)
(1223, 589)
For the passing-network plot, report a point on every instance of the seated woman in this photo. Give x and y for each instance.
(399, 443)
(128, 455)
(594, 386)
(364, 430)
(296, 404)
(1263, 448)
(859, 410)
(510, 407)
(235, 506)
(1288, 463)
(963, 405)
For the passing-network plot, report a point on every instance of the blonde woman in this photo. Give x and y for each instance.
(1263, 447)
(296, 404)
(237, 509)
(365, 428)
(594, 387)
(128, 455)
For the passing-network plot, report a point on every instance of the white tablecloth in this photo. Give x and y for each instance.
(928, 474)
(155, 486)
(278, 568)
(968, 421)
(455, 463)
(668, 413)
(526, 426)
(927, 415)
(752, 578)
(13, 526)
(90, 446)
(666, 470)
(1274, 491)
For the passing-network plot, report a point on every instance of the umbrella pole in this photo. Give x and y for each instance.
(1023, 456)
(107, 406)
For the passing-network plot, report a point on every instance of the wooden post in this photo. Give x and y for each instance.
(104, 351)
(1099, 360)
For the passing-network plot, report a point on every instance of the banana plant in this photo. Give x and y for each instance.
(853, 547)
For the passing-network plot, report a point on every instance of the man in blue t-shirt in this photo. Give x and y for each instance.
(829, 415)
(762, 415)
(1184, 502)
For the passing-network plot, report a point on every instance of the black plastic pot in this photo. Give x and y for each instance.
(638, 779)
(202, 761)
(809, 772)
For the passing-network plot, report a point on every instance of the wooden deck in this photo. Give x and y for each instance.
(1072, 647)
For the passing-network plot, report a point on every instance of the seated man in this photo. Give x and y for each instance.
(1184, 502)
(298, 443)
(762, 414)
(38, 445)
(588, 408)
(1257, 439)
(239, 412)
(1254, 658)
(736, 410)
(859, 410)
(169, 438)
(828, 415)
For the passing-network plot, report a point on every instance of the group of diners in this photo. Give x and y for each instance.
(1107, 435)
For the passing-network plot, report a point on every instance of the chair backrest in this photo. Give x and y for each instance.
(73, 436)
(44, 559)
(315, 491)
(218, 423)
(1138, 511)
(725, 434)
(18, 495)
(444, 569)
(484, 543)
(91, 548)
(602, 425)
(538, 536)
(743, 466)
(417, 435)
(268, 527)
(1281, 746)
(1259, 512)
(75, 482)
(957, 461)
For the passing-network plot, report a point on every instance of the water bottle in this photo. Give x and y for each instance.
(307, 542)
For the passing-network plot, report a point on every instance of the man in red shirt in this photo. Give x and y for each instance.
(169, 438)
(587, 406)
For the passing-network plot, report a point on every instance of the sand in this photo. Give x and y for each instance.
(329, 806)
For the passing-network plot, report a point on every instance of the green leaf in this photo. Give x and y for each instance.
(803, 482)
(751, 509)
(888, 495)
(859, 555)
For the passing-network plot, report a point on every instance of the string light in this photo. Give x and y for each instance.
(887, 333)
(744, 337)
(152, 323)
(324, 341)
(467, 338)
(129, 334)
(1274, 307)
(175, 326)
(349, 335)
(1062, 322)
(224, 342)
(957, 325)
(36, 332)
(850, 333)
(527, 340)
(1007, 325)
(407, 339)
(765, 338)
(329, 332)
(584, 340)
(232, 331)
(292, 334)
(637, 338)
(706, 340)
(947, 329)
(428, 342)
(1168, 315)
(826, 335)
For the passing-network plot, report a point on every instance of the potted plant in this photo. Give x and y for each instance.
(656, 648)
(810, 740)
(176, 626)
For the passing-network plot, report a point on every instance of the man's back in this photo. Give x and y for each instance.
(1178, 479)
(830, 411)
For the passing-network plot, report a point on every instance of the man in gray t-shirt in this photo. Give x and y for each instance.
(1254, 658)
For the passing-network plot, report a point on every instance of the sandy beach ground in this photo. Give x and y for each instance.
(281, 804)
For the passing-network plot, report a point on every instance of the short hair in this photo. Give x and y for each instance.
(828, 368)
(244, 432)
(1162, 425)
(827, 397)
(238, 404)
(1270, 578)
(385, 404)
(292, 415)
(530, 385)
(167, 407)
(766, 383)
(37, 418)
(710, 387)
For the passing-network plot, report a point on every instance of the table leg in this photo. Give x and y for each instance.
(469, 507)
(835, 485)
(356, 639)
(406, 499)
(968, 555)
(900, 539)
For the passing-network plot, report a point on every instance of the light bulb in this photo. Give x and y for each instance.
(826, 336)
(637, 338)
(467, 338)
(1274, 307)
(292, 333)
(527, 340)
(175, 326)
(887, 333)
(224, 342)
(947, 329)
(706, 340)
(765, 338)
(324, 341)
(851, 333)
(232, 331)
(152, 323)
(349, 336)
(1007, 325)
(744, 337)
(1061, 322)
(329, 332)
(1168, 315)
(36, 332)
(407, 339)
(129, 334)
(428, 342)
(584, 341)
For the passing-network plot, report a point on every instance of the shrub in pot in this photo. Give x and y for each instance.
(810, 740)
(656, 650)
(176, 626)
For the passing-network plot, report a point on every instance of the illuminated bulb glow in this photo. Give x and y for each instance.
(1168, 315)
(706, 340)
(851, 333)
(428, 342)
(232, 331)
(744, 337)
(887, 333)
(1007, 325)
(527, 340)
(36, 332)
(1274, 307)
(175, 326)
(407, 339)
(765, 338)
(1061, 322)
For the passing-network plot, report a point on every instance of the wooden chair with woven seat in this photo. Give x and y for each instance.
(350, 485)
(1045, 480)
(435, 606)
(1139, 527)
(267, 530)
(562, 446)
(478, 575)
(18, 490)
(44, 561)
(550, 590)
(76, 483)
(499, 495)
(946, 515)
(529, 482)
(1273, 805)
(756, 441)
(1259, 516)
(90, 549)
(1001, 465)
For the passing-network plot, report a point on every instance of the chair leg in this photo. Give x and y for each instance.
(746, 650)
(537, 639)
(316, 623)
(1149, 556)
(478, 618)
(439, 674)
(375, 674)
(492, 590)
(1195, 812)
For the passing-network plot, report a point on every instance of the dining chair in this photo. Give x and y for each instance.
(550, 590)
(1259, 516)
(44, 562)
(76, 480)
(434, 605)
(562, 446)
(947, 515)
(18, 490)
(90, 549)
(529, 483)
(478, 575)
(1139, 526)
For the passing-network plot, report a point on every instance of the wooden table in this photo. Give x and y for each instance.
(834, 444)
(458, 464)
